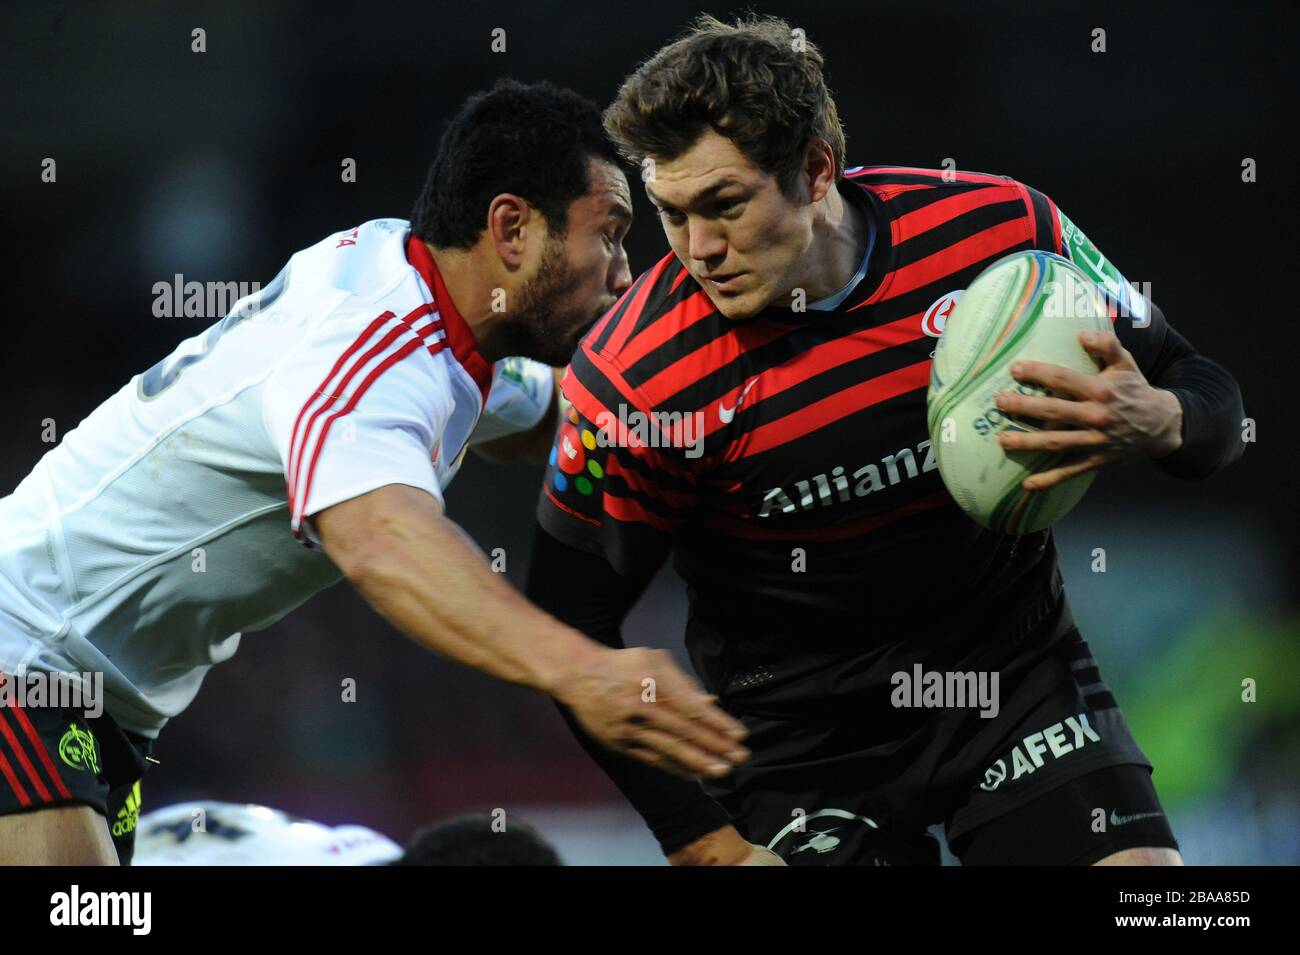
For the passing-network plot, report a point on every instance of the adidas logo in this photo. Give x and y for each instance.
(128, 817)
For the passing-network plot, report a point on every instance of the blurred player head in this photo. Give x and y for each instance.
(525, 209)
(745, 148)
(223, 833)
(478, 840)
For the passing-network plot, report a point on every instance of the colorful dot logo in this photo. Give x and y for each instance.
(570, 463)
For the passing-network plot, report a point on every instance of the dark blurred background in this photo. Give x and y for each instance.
(219, 165)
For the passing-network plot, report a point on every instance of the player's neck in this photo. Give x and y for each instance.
(839, 243)
(470, 295)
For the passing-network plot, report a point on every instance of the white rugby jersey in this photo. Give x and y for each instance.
(164, 525)
(223, 833)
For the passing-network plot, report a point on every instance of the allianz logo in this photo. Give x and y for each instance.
(837, 486)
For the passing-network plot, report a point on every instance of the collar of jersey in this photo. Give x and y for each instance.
(833, 301)
(459, 336)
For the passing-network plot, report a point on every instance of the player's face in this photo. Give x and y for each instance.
(730, 224)
(581, 274)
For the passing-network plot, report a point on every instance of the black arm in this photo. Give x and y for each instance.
(584, 591)
(1210, 396)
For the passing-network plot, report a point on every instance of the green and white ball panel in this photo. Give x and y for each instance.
(1029, 305)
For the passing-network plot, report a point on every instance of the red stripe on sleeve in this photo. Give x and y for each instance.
(1030, 214)
(633, 313)
(7, 771)
(1056, 225)
(596, 330)
(41, 752)
(681, 316)
(382, 367)
(391, 336)
(586, 404)
(296, 436)
(7, 732)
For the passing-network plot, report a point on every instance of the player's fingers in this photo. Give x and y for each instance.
(1107, 347)
(1061, 380)
(1087, 414)
(677, 753)
(720, 721)
(1052, 440)
(1047, 479)
(698, 733)
(684, 696)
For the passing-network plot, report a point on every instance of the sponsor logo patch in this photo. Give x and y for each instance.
(77, 748)
(1029, 755)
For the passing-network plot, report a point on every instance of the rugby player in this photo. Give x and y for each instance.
(781, 352)
(309, 436)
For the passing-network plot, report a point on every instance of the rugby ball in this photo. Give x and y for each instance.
(1028, 305)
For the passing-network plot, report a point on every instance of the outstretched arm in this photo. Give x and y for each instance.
(422, 574)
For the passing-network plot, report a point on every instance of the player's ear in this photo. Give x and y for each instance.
(510, 221)
(819, 169)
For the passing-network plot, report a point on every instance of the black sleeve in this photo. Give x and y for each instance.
(584, 591)
(1210, 396)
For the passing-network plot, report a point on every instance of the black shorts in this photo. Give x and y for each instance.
(1055, 778)
(51, 757)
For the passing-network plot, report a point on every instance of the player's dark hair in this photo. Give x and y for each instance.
(530, 140)
(474, 840)
(760, 83)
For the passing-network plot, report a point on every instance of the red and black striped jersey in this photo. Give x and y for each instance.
(784, 460)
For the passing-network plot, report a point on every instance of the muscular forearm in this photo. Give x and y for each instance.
(457, 607)
(421, 573)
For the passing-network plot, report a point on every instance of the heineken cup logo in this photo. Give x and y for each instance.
(77, 749)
